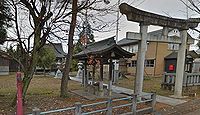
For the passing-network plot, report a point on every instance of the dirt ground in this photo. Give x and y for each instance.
(43, 93)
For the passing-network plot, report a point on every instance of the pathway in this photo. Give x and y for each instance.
(161, 99)
(191, 107)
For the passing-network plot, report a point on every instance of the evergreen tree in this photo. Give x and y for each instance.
(85, 37)
(46, 57)
(5, 18)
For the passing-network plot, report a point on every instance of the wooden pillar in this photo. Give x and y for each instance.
(142, 47)
(83, 74)
(101, 78)
(93, 73)
(180, 64)
(110, 78)
(85, 79)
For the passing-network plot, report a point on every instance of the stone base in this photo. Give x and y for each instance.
(178, 97)
(91, 96)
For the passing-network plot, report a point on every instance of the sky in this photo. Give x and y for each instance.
(171, 8)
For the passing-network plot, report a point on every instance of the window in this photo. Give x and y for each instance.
(149, 63)
(131, 48)
(134, 49)
(128, 64)
(172, 46)
(134, 63)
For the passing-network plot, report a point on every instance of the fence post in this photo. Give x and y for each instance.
(19, 94)
(77, 108)
(109, 107)
(153, 103)
(134, 104)
(163, 80)
(36, 111)
(186, 79)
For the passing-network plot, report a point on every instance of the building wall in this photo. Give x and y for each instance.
(4, 66)
(122, 65)
(162, 52)
(155, 51)
(150, 55)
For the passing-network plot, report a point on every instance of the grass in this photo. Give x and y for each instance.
(43, 89)
(153, 84)
(44, 92)
(150, 84)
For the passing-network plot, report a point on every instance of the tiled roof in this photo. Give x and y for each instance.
(101, 48)
(126, 41)
(59, 50)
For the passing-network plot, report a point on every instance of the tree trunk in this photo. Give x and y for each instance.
(64, 81)
(26, 81)
(29, 66)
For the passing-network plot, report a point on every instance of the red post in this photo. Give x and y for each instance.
(19, 94)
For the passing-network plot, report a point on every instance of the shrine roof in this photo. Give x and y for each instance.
(104, 49)
(190, 54)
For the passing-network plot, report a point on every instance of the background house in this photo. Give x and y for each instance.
(155, 54)
(171, 59)
(59, 53)
(59, 61)
(4, 64)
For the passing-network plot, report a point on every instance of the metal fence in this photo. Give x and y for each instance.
(189, 79)
(108, 106)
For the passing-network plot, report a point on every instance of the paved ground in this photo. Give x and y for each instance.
(189, 108)
(196, 112)
(161, 99)
(179, 107)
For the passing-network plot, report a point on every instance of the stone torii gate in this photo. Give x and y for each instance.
(145, 19)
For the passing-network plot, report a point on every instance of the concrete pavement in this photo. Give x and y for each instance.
(161, 99)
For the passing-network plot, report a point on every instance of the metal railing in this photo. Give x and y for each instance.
(108, 106)
(189, 79)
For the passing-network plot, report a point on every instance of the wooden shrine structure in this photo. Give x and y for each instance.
(102, 52)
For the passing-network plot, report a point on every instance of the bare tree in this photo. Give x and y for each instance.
(37, 22)
(75, 9)
(64, 82)
(34, 21)
(193, 5)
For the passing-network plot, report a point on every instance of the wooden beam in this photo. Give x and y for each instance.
(140, 16)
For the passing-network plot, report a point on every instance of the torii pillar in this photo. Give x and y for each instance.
(142, 47)
(180, 68)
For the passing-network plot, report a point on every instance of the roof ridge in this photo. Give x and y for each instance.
(100, 41)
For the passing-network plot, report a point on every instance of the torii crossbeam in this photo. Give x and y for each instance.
(136, 15)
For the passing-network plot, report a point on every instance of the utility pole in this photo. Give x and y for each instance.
(187, 9)
(117, 24)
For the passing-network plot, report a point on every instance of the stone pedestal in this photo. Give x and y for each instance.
(80, 70)
(58, 74)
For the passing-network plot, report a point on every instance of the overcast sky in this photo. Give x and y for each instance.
(172, 8)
